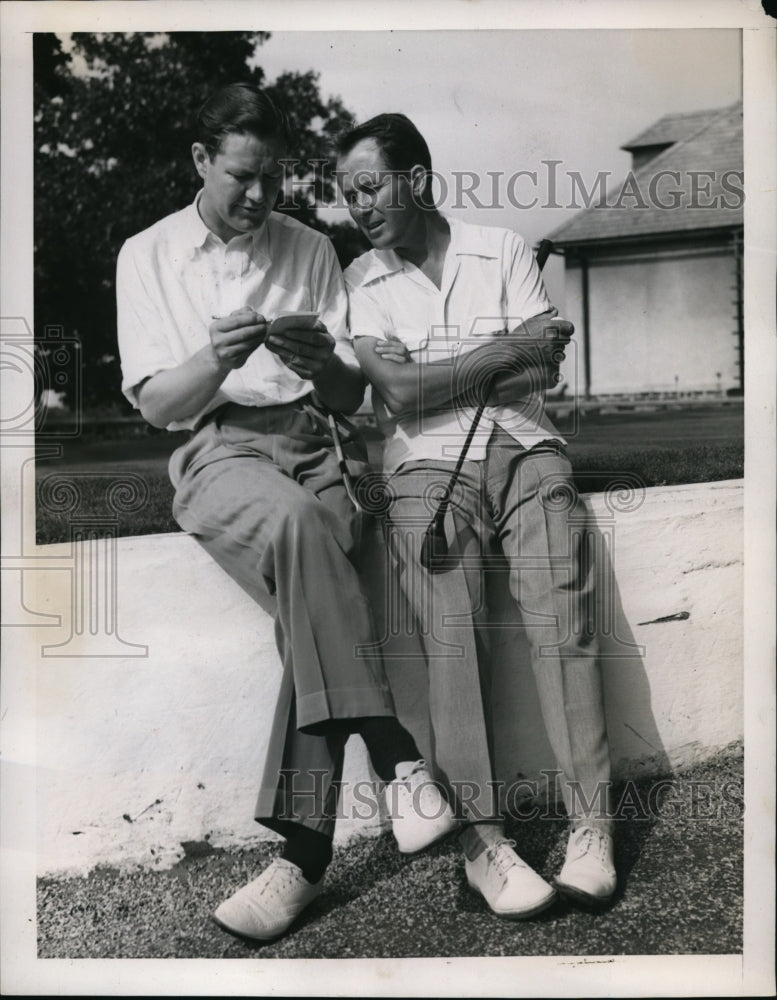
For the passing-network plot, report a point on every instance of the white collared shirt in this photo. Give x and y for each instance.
(175, 277)
(490, 284)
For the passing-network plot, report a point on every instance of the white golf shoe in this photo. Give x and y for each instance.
(420, 813)
(265, 908)
(588, 875)
(510, 887)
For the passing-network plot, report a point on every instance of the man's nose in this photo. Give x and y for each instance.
(255, 191)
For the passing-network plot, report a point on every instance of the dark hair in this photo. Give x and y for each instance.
(240, 108)
(400, 142)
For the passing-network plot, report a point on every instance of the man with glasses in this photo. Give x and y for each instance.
(446, 316)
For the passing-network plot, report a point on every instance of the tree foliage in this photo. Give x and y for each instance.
(113, 130)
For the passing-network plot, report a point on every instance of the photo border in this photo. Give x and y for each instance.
(739, 975)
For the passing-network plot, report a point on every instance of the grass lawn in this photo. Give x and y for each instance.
(658, 448)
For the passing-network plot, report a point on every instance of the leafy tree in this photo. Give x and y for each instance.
(113, 126)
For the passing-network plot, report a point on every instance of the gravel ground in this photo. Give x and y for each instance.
(679, 862)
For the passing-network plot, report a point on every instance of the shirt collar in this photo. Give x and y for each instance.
(381, 263)
(466, 240)
(194, 233)
(470, 240)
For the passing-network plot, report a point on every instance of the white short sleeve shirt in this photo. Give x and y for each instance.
(490, 285)
(175, 277)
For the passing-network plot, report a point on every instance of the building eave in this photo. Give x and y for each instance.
(645, 241)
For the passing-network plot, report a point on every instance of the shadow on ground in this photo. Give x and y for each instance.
(679, 854)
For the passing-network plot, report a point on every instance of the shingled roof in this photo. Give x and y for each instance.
(672, 128)
(706, 141)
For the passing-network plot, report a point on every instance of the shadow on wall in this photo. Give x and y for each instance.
(521, 744)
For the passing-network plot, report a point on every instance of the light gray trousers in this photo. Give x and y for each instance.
(525, 502)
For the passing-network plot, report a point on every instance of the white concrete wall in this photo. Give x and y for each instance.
(140, 748)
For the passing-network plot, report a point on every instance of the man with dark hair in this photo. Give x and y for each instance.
(239, 109)
(258, 483)
(436, 308)
(402, 146)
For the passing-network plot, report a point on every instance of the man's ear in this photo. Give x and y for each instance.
(418, 176)
(201, 159)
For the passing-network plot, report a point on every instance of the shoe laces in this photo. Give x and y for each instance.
(591, 840)
(280, 878)
(502, 856)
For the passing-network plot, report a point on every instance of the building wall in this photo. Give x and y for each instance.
(662, 323)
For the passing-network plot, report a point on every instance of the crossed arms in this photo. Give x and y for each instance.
(505, 370)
